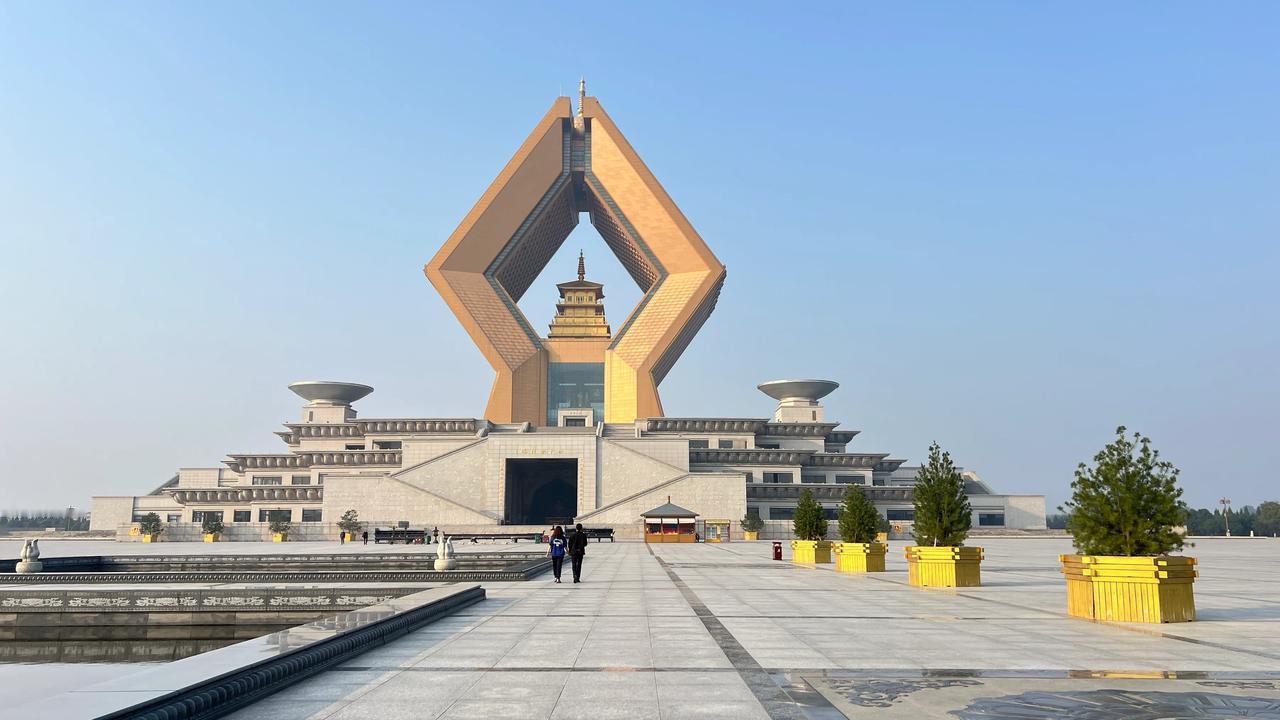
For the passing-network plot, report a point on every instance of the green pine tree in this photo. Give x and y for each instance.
(942, 513)
(809, 523)
(1128, 503)
(150, 524)
(859, 520)
(350, 522)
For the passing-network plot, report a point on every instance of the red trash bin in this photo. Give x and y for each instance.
(777, 550)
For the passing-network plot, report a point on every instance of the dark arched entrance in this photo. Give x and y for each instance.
(541, 492)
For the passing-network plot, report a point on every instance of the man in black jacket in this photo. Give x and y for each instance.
(577, 548)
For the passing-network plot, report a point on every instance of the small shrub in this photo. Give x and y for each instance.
(942, 513)
(809, 523)
(751, 522)
(350, 522)
(211, 524)
(1128, 503)
(858, 517)
(150, 524)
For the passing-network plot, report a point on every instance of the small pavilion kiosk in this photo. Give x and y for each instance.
(670, 523)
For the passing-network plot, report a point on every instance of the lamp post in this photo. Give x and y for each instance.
(1226, 514)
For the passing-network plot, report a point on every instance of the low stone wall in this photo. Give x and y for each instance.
(219, 682)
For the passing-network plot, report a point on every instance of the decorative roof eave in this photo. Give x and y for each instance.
(290, 437)
(748, 456)
(241, 463)
(326, 430)
(857, 460)
(687, 425)
(669, 510)
(889, 465)
(797, 429)
(791, 491)
(841, 437)
(384, 426)
(264, 493)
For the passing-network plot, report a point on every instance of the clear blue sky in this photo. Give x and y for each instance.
(1008, 227)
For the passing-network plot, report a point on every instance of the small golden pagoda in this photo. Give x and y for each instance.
(580, 312)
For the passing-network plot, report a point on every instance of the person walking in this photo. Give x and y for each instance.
(556, 550)
(577, 549)
(342, 537)
(365, 536)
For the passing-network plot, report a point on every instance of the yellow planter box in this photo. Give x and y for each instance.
(277, 537)
(859, 557)
(749, 535)
(211, 537)
(810, 551)
(882, 537)
(1130, 589)
(149, 538)
(944, 566)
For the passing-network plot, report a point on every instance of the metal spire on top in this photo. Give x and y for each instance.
(582, 268)
(582, 93)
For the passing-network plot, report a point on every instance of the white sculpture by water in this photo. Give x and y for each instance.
(444, 554)
(29, 558)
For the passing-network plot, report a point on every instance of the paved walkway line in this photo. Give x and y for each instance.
(770, 695)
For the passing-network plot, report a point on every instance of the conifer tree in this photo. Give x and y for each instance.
(859, 520)
(942, 513)
(1128, 503)
(809, 523)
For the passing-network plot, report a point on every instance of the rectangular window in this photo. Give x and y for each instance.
(901, 515)
(751, 477)
(851, 480)
(831, 513)
(698, 445)
(753, 510)
(311, 515)
(575, 422)
(242, 516)
(300, 480)
(387, 444)
(777, 477)
(354, 446)
(574, 385)
(198, 516)
(991, 519)
(813, 479)
(267, 480)
(269, 515)
(766, 446)
(877, 480)
(782, 513)
(175, 517)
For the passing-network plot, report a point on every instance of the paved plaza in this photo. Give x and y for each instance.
(676, 631)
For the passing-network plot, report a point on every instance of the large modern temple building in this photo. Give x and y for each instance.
(573, 430)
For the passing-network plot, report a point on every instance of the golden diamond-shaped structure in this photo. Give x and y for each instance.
(570, 164)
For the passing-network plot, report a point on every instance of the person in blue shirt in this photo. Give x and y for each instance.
(556, 548)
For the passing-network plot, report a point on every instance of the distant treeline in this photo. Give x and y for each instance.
(1261, 520)
(41, 519)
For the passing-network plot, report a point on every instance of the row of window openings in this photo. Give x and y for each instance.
(244, 516)
(722, 444)
(279, 480)
(786, 478)
(991, 519)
